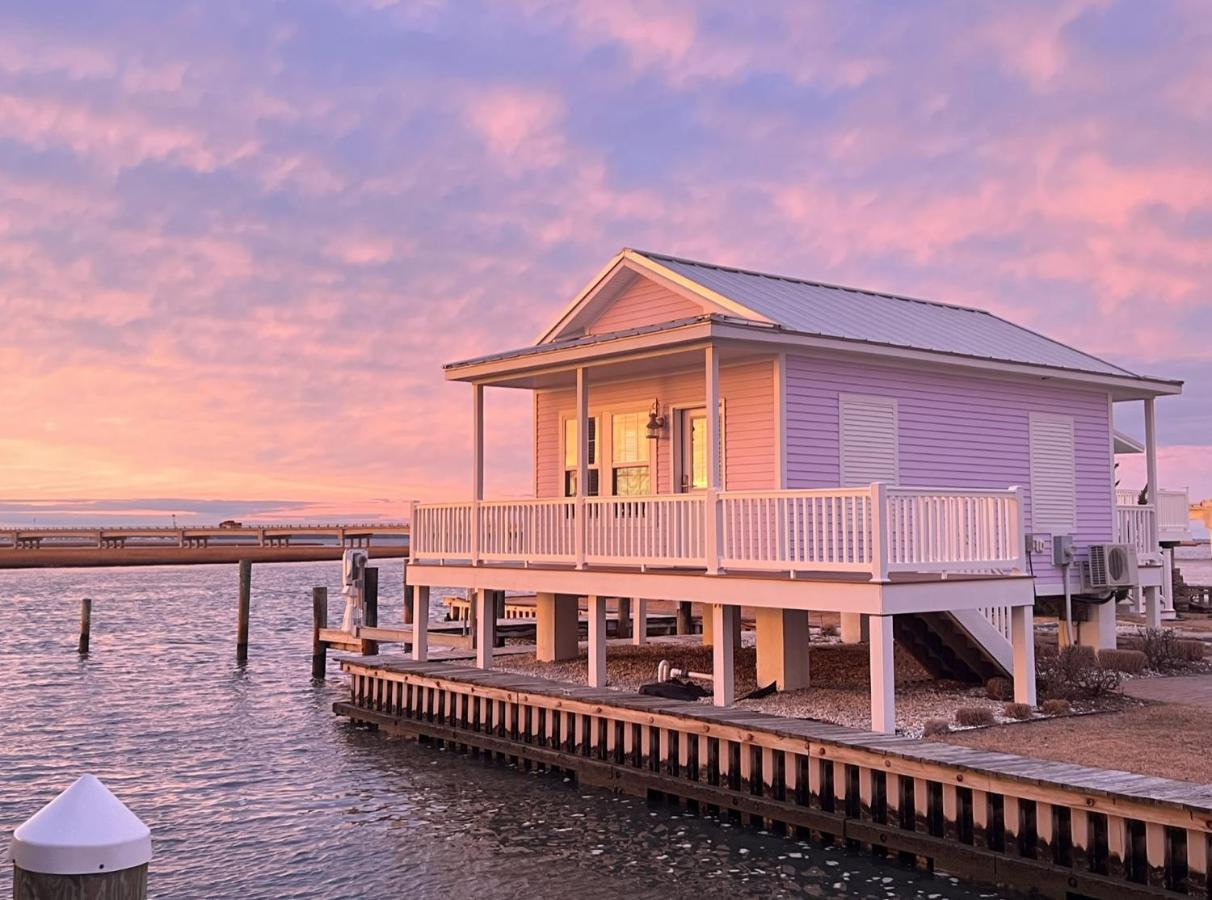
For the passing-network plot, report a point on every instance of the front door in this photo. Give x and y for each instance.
(692, 449)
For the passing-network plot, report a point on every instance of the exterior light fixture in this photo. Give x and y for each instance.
(656, 422)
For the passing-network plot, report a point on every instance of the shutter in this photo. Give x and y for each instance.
(1053, 474)
(868, 445)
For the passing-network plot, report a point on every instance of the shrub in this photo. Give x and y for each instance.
(1160, 645)
(1074, 674)
(971, 716)
(1018, 711)
(935, 727)
(1190, 651)
(829, 631)
(998, 688)
(1130, 662)
(1056, 707)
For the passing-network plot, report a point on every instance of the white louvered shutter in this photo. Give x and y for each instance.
(867, 428)
(1053, 474)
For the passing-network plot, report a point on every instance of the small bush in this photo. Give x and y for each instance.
(1056, 707)
(935, 727)
(829, 631)
(1018, 711)
(971, 716)
(998, 688)
(1190, 651)
(1074, 674)
(1160, 645)
(1130, 662)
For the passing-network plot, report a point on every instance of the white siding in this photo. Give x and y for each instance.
(1053, 474)
(869, 447)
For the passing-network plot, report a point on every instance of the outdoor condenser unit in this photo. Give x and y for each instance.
(1111, 566)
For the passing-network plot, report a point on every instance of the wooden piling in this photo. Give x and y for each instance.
(370, 607)
(685, 624)
(319, 620)
(407, 596)
(242, 618)
(86, 625)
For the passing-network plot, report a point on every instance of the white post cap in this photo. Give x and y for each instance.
(85, 830)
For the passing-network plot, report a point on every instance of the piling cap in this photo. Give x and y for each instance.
(85, 830)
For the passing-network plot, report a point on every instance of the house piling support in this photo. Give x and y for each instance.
(243, 611)
(623, 606)
(484, 608)
(883, 675)
(709, 627)
(782, 648)
(1022, 638)
(1098, 630)
(420, 623)
(86, 625)
(853, 628)
(639, 627)
(597, 641)
(319, 620)
(555, 627)
(724, 619)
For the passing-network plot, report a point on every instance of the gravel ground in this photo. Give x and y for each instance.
(838, 674)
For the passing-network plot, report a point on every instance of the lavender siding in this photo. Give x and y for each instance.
(643, 303)
(955, 430)
(749, 424)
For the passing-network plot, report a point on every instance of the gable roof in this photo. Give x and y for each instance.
(827, 310)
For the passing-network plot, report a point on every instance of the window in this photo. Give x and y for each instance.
(868, 441)
(570, 458)
(629, 454)
(1053, 474)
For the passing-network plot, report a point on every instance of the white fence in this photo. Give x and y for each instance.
(875, 529)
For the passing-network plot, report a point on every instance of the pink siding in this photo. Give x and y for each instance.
(954, 431)
(643, 303)
(749, 428)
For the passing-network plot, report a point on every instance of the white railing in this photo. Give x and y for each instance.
(1173, 515)
(876, 530)
(666, 530)
(1137, 525)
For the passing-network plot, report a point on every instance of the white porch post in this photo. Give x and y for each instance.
(1153, 610)
(477, 467)
(883, 675)
(582, 463)
(1167, 556)
(723, 654)
(1151, 466)
(485, 603)
(853, 628)
(597, 641)
(420, 623)
(639, 625)
(711, 510)
(1022, 637)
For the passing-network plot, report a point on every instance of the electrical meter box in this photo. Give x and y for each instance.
(1062, 549)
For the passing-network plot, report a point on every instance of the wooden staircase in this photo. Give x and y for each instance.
(947, 647)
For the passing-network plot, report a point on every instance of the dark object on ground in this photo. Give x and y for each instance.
(999, 688)
(675, 689)
(1074, 674)
(974, 716)
(1057, 707)
(1020, 711)
(759, 692)
(935, 727)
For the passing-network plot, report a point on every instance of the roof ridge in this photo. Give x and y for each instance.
(796, 280)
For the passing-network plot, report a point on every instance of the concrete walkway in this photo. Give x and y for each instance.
(1193, 690)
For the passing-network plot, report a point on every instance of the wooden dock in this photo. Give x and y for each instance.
(1062, 830)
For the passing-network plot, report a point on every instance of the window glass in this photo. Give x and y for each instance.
(698, 452)
(630, 438)
(570, 443)
(631, 481)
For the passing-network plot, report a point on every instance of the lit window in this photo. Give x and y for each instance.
(570, 458)
(629, 454)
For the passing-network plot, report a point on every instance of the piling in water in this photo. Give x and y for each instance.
(86, 624)
(319, 619)
(242, 620)
(370, 607)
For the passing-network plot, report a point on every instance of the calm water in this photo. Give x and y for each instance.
(253, 788)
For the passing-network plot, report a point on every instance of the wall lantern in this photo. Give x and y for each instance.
(656, 422)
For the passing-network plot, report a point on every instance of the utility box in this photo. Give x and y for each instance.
(1062, 549)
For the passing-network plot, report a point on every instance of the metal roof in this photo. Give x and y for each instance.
(828, 310)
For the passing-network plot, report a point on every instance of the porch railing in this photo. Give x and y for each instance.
(1137, 525)
(877, 530)
(1170, 515)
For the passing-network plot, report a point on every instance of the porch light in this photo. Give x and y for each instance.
(656, 422)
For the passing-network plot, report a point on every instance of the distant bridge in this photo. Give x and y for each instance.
(151, 545)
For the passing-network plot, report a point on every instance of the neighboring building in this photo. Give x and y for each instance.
(708, 434)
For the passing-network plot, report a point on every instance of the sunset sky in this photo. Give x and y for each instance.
(238, 239)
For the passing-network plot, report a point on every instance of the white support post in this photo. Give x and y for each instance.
(1022, 565)
(639, 625)
(597, 641)
(477, 467)
(1167, 601)
(484, 604)
(711, 511)
(582, 464)
(1153, 611)
(1151, 467)
(883, 675)
(723, 653)
(420, 623)
(1022, 637)
(879, 532)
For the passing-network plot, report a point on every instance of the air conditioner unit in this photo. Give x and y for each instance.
(1111, 566)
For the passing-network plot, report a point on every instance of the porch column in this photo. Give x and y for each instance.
(711, 511)
(1022, 637)
(723, 656)
(708, 638)
(854, 628)
(582, 463)
(597, 641)
(1151, 465)
(1098, 630)
(782, 648)
(639, 626)
(1153, 612)
(484, 607)
(477, 467)
(420, 623)
(1167, 610)
(555, 627)
(883, 675)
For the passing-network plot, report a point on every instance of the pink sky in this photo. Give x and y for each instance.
(237, 243)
